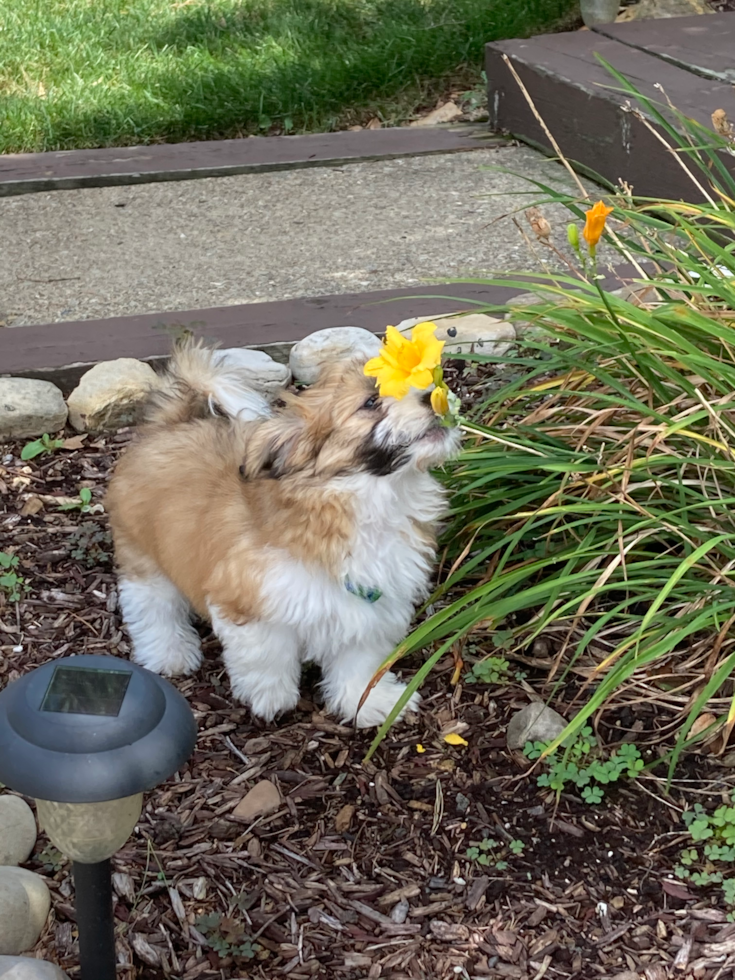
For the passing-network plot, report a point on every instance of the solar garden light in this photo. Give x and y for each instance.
(86, 736)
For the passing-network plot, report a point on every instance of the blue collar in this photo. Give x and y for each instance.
(362, 592)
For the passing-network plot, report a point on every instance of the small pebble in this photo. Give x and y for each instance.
(463, 803)
(399, 912)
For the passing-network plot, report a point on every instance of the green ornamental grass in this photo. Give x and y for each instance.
(594, 501)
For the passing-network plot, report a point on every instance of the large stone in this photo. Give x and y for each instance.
(529, 299)
(476, 332)
(257, 369)
(17, 830)
(331, 344)
(262, 799)
(111, 394)
(534, 723)
(24, 906)
(28, 968)
(29, 408)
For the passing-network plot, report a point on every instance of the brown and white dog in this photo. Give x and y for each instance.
(304, 530)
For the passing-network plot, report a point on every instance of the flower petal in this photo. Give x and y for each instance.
(374, 366)
(421, 378)
(394, 386)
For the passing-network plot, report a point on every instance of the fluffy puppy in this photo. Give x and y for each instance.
(304, 530)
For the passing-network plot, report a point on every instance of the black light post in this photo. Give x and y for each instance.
(86, 737)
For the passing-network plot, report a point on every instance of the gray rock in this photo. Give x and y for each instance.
(257, 368)
(29, 408)
(111, 394)
(476, 332)
(526, 329)
(28, 968)
(24, 906)
(399, 912)
(534, 723)
(17, 830)
(529, 299)
(331, 344)
(261, 800)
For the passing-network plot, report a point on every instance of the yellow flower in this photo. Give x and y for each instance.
(439, 401)
(403, 364)
(594, 223)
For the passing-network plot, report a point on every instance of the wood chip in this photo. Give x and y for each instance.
(449, 932)
(344, 818)
(476, 892)
(398, 894)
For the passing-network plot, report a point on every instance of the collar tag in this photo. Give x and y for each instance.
(362, 592)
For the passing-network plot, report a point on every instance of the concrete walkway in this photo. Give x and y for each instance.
(101, 252)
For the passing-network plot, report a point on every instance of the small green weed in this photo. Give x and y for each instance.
(90, 544)
(493, 670)
(51, 858)
(40, 446)
(84, 504)
(476, 97)
(581, 765)
(715, 832)
(12, 584)
(490, 853)
(225, 936)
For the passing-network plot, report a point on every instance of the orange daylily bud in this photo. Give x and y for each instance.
(594, 223)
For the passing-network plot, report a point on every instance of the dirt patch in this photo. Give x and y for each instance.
(363, 871)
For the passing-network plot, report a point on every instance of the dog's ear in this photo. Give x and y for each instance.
(279, 447)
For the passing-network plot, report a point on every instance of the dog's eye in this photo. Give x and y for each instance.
(372, 402)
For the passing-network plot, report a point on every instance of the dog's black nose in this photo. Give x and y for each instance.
(426, 398)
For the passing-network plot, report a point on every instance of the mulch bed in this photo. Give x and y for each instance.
(362, 872)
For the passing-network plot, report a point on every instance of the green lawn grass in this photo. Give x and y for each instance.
(86, 73)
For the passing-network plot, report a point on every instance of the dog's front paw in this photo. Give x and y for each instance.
(266, 701)
(171, 661)
(379, 704)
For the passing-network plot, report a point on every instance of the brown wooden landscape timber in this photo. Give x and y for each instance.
(575, 96)
(62, 352)
(22, 173)
(702, 45)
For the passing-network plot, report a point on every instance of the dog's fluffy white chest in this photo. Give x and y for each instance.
(386, 571)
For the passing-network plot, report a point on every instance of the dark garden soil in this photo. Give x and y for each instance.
(362, 871)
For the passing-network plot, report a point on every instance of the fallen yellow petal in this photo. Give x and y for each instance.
(454, 739)
(420, 748)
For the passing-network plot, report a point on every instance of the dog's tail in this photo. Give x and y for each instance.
(199, 382)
